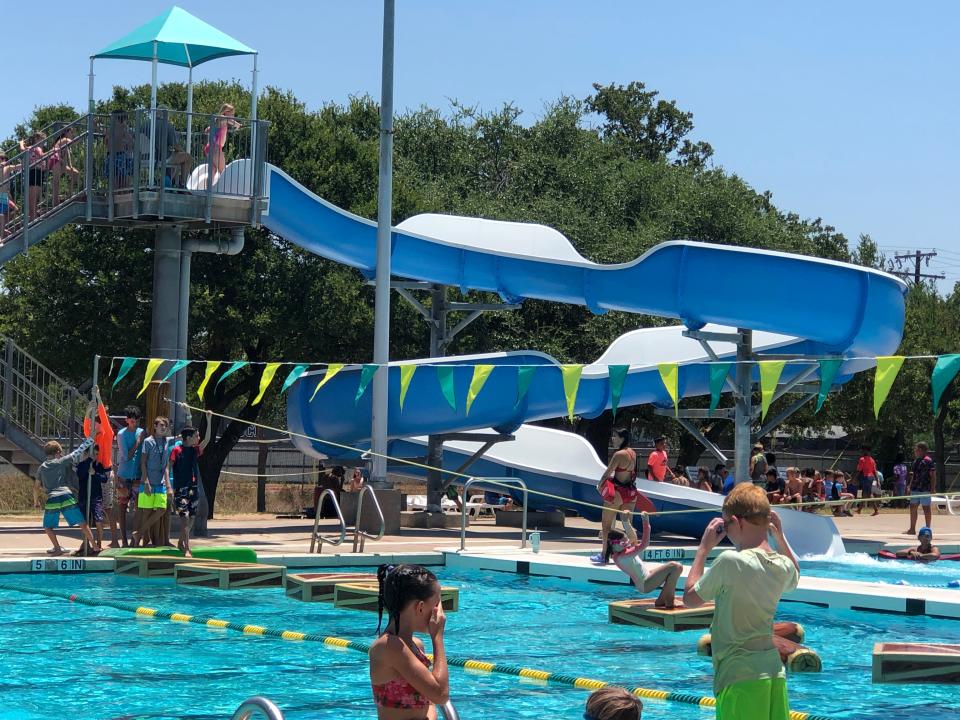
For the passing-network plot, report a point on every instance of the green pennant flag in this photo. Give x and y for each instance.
(943, 374)
(212, 366)
(670, 375)
(237, 365)
(571, 383)
(269, 370)
(125, 367)
(152, 366)
(718, 378)
(618, 376)
(332, 369)
(828, 371)
(769, 377)
(406, 375)
(177, 367)
(887, 368)
(524, 378)
(445, 378)
(366, 375)
(293, 377)
(480, 375)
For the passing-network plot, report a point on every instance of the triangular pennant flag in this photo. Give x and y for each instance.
(828, 371)
(769, 377)
(332, 369)
(480, 375)
(293, 377)
(212, 366)
(406, 375)
(153, 364)
(237, 365)
(269, 370)
(887, 368)
(718, 378)
(524, 378)
(177, 367)
(943, 374)
(670, 375)
(618, 376)
(445, 378)
(366, 375)
(125, 367)
(571, 383)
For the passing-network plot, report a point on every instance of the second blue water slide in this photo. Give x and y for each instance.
(799, 305)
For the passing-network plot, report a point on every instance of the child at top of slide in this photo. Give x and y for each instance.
(629, 558)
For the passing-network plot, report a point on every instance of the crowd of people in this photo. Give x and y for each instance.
(146, 474)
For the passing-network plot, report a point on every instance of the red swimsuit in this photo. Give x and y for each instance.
(399, 693)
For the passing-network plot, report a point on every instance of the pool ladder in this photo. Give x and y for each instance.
(359, 536)
(262, 706)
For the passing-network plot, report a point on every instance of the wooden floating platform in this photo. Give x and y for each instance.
(318, 587)
(643, 612)
(146, 566)
(929, 663)
(229, 575)
(363, 596)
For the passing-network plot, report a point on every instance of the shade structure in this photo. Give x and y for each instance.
(181, 39)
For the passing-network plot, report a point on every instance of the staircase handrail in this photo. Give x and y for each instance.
(56, 378)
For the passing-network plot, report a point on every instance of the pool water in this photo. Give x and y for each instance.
(867, 568)
(67, 660)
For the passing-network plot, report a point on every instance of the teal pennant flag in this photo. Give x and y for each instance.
(943, 374)
(125, 367)
(828, 371)
(366, 375)
(718, 378)
(618, 376)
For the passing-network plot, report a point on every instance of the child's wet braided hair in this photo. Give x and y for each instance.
(401, 585)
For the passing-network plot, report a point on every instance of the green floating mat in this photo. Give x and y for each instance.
(167, 551)
(224, 554)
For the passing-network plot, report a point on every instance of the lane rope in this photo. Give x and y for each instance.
(292, 635)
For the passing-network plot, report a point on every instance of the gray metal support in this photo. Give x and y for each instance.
(381, 330)
(744, 407)
(166, 291)
(438, 347)
(695, 431)
(785, 413)
(181, 414)
(88, 160)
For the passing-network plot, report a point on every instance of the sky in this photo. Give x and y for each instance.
(843, 110)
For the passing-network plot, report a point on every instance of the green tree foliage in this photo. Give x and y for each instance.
(616, 190)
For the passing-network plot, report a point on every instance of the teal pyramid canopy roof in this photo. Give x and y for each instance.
(181, 38)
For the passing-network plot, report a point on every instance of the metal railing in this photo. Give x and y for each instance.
(257, 705)
(360, 536)
(315, 536)
(498, 487)
(448, 711)
(107, 158)
(38, 401)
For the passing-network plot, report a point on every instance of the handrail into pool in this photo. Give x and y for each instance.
(449, 711)
(315, 537)
(495, 481)
(360, 536)
(257, 705)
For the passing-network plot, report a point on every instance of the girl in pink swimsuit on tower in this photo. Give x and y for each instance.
(224, 123)
(405, 686)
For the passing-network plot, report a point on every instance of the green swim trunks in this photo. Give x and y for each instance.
(754, 700)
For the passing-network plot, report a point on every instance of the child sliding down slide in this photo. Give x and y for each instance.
(628, 557)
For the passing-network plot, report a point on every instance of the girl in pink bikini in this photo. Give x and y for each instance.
(618, 488)
(224, 123)
(405, 686)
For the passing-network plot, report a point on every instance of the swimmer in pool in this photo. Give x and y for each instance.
(628, 557)
(925, 552)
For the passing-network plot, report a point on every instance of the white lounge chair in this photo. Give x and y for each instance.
(947, 503)
(419, 502)
(476, 507)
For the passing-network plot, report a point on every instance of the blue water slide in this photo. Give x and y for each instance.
(795, 304)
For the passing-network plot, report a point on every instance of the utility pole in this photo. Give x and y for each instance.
(918, 258)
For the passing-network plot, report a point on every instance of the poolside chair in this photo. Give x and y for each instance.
(476, 507)
(947, 503)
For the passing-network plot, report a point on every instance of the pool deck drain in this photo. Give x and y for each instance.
(822, 592)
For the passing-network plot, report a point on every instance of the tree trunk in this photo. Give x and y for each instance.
(263, 450)
(597, 431)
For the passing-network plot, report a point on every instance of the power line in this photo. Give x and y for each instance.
(918, 257)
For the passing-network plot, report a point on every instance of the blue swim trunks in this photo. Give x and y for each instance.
(65, 504)
(4, 203)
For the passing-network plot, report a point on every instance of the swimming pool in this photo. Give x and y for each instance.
(62, 659)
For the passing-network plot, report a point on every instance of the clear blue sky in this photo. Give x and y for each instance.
(844, 110)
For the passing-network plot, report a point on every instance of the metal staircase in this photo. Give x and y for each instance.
(36, 405)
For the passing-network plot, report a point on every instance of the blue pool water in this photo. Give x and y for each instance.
(66, 660)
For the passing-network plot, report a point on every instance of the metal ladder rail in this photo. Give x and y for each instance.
(449, 711)
(258, 705)
(315, 536)
(500, 481)
(360, 536)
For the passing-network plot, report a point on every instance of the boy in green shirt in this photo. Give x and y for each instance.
(746, 584)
